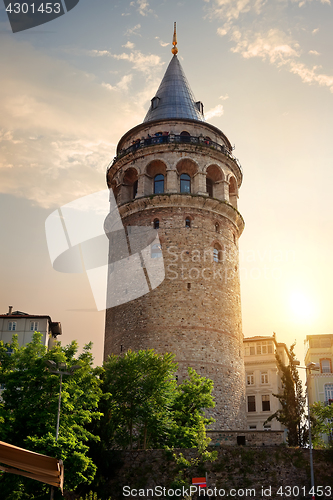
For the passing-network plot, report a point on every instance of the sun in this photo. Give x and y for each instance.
(302, 307)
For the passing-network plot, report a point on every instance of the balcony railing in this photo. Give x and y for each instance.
(176, 139)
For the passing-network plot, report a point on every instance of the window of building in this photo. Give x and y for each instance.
(156, 224)
(187, 222)
(266, 404)
(325, 365)
(159, 184)
(252, 427)
(217, 227)
(33, 326)
(209, 187)
(216, 255)
(185, 136)
(12, 326)
(328, 392)
(156, 251)
(264, 347)
(264, 377)
(267, 427)
(251, 403)
(135, 189)
(250, 350)
(185, 183)
(250, 379)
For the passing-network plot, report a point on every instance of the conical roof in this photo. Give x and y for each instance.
(174, 98)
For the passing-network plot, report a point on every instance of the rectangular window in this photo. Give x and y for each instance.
(325, 366)
(265, 347)
(266, 404)
(252, 427)
(249, 350)
(251, 403)
(264, 377)
(328, 392)
(34, 326)
(250, 379)
(12, 326)
(267, 427)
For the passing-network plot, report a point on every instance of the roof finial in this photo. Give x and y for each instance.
(174, 49)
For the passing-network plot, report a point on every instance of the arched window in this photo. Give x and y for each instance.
(217, 253)
(185, 136)
(185, 183)
(135, 188)
(156, 224)
(156, 251)
(209, 187)
(187, 222)
(159, 184)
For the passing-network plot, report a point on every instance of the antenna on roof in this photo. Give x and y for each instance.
(174, 49)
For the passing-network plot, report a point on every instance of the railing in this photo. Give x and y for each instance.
(176, 139)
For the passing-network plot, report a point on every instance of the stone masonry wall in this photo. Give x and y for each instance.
(238, 472)
(195, 313)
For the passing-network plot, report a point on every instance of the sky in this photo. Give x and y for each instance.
(264, 72)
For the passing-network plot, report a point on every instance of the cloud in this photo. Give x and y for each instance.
(217, 111)
(58, 126)
(123, 84)
(224, 97)
(231, 10)
(314, 52)
(144, 9)
(274, 46)
(258, 28)
(163, 44)
(129, 45)
(134, 30)
(140, 62)
(279, 49)
(311, 75)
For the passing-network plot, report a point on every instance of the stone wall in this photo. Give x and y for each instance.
(238, 472)
(250, 438)
(195, 313)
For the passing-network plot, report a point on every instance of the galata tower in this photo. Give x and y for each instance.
(176, 173)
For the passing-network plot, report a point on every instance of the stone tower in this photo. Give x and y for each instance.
(176, 173)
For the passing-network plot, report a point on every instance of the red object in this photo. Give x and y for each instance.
(199, 481)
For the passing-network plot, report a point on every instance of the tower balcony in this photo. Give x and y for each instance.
(175, 139)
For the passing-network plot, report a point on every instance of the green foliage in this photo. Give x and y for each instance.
(291, 399)
(186, 468)
(323, 423)
(143, 406)
(29, 407)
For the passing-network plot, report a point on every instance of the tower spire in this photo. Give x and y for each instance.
(174, 49)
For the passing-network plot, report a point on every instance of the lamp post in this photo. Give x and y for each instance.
(59, 369)
(308, 368)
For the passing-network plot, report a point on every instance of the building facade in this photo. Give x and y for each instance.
(176, 173)
(24, 325)
(319, 349)
(263, 379)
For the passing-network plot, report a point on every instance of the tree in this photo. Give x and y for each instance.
(291, 399)
(191, 399)
(137, 393)
(143, 406)
(29, 405)
(323, 420)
